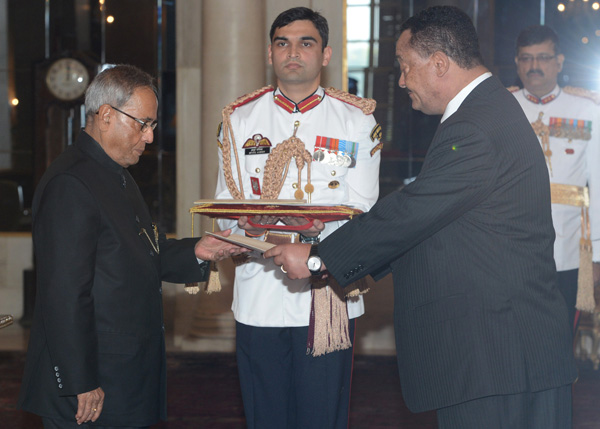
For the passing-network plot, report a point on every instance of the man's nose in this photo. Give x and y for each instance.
(148, 136)
(293, 52)
(401, 81)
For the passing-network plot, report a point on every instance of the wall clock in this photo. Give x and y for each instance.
(67, 79)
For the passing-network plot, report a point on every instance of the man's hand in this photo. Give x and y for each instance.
(89, 405)
(257, 220)
(212, 249)
(292, 259)
(313, 231)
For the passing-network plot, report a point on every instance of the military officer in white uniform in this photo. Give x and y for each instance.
(283, 384)
(573, 156)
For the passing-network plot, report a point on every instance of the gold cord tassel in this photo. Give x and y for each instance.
(543, 132)
(214, 282)
(192, 288)
(585, 282)
(330, 320)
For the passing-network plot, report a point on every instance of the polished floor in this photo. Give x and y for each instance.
(203, 392)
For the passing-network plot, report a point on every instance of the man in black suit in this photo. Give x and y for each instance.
(481, 328)
(96, 351)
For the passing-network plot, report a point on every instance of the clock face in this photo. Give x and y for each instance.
(67, 79)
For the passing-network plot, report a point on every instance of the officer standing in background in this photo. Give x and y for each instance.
(567, 123)
(283, 385)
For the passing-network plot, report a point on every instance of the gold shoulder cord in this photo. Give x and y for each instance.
(543, 132)
(582, 92)
(579, 196)
(278, 163)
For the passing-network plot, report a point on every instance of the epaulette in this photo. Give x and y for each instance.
(245, 99)
(513, 88)
(582, 92)
(367, 105)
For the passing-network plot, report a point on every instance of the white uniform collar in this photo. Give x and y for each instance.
(542, 100)
(455, 103)
(304, 106)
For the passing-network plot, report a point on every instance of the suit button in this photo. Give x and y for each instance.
(160, 290)
(163, 328)
(58, 374)
(60, 386)
(59, 380)
(55, 368)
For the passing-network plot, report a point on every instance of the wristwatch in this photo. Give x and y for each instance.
(314, 262)
(310, 240)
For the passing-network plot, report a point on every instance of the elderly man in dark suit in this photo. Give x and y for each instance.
(481, 328)
(97, 351)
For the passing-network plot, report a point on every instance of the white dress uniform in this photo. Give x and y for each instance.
(263, 295)
(574, 123)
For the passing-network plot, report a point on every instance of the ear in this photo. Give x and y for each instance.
(270, 55)
(560, 58)
(441, 63)
(517, 61)
(327, 55)
(104, 116)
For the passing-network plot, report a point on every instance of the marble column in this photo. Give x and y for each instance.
(222, 54)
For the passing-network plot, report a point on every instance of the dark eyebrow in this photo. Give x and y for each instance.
(301, 38)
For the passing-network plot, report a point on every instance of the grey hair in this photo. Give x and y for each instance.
(115, 86)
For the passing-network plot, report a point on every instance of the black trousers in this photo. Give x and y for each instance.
(284, 388)
(567, 284)
(60, 424)
(548, 409)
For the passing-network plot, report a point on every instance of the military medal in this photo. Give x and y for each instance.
(347, 161)
(319, 155)
(572, 129)
(335, 152)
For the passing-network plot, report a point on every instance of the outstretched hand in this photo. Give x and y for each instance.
(212, 249)
(292, 259)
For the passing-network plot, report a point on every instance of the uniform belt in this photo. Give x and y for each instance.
(570, 195)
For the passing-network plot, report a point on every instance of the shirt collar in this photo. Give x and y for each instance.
(304, 106)
(455, 103)
(542, 100)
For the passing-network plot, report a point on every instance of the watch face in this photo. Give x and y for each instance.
(314, 263)
(67, 79)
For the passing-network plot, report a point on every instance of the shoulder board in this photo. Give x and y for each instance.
(582, 92)
(245, 99)
(367, 105)
(513, 88)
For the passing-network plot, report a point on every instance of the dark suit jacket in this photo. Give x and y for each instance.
(477, 309)
(98, 316)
